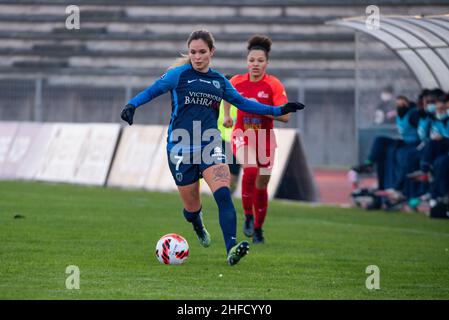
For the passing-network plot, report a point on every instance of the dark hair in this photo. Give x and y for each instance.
(402, 98)
(425, 92)
(442, 98)
(260, 42)
(434, 94)
(202, 34)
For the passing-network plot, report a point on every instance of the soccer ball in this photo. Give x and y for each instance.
(172, 249)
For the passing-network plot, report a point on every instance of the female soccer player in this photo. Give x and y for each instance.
(254, 151)
(193, 142)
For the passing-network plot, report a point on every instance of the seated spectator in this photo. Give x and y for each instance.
(438, 141)
(429, 103)
(383, 150)
(439, 188)
(433, 132)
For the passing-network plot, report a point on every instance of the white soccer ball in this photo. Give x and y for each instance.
(172, 249)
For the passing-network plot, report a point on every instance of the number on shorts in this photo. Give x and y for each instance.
(179, 158)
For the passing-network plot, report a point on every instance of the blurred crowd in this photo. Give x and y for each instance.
(412, 170)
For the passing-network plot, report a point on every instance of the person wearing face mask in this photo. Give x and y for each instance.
(385, 112)
(194, 146)
(429, 104)
(408, 156)
(439, 188)
(438, 143)
(386, 153)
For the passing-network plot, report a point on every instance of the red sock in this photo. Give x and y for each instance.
(248, 185)
(260, 207)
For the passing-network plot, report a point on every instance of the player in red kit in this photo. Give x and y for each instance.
(253, 140)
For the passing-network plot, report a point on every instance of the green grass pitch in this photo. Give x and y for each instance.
(312, 252)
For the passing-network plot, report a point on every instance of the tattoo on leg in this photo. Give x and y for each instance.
(194, 194)
(221, 173)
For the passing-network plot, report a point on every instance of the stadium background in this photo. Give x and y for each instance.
(51, 74)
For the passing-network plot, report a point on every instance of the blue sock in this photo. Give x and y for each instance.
(226, 216)
(194, 218)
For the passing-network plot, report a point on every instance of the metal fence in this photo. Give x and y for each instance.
(327, 125)
(37, 100)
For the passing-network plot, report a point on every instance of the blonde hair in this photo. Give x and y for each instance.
(204, 35)
(184, 59)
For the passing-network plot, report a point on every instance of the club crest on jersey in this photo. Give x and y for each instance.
(218, 153)
(216, 84)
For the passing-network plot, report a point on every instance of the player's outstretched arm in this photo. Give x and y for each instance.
(168, 81)
(232, 96)
(254, 107)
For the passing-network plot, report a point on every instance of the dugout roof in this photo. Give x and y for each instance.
(422, 42)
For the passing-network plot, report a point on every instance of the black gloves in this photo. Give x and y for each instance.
(127, 113)
(291, 107)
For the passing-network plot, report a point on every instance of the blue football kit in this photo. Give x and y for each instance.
(193, 140)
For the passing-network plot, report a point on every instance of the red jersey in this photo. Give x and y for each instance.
(269, 90)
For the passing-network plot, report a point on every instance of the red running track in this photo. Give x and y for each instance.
(334, 186)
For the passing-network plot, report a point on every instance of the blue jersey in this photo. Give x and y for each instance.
(425, 124)
(439, 126)
(407, 126)
(424, 128)
(196, 98)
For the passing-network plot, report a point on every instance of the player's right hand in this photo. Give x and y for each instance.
(127, 113)
(291, 107)
(228, 122)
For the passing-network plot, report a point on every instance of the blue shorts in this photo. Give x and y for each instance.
(188, 167)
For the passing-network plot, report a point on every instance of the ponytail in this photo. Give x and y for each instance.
(184, 59)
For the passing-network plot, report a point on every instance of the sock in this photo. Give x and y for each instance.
(260, 207)
(194, 218)
(249, 217)
(425, 167)
(226, 216)
(248, 185)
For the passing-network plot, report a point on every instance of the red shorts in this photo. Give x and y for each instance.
(263, 153)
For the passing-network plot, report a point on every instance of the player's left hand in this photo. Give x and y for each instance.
(228, 122)
(291, 107)
(127, 113)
